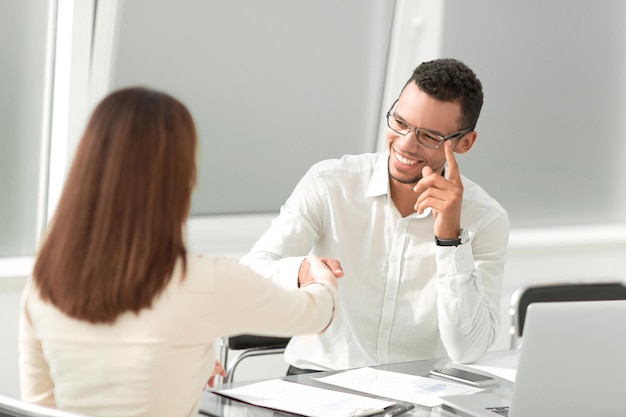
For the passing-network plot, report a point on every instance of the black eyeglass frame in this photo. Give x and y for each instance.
(442, 139)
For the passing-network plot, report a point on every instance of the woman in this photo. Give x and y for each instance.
(118, 319)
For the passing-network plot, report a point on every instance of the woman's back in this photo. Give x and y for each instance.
(118, 320)
(157, 362)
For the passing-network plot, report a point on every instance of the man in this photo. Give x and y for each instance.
(421, 248)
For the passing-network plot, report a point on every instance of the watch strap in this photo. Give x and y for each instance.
(452, 242)
(447, 242)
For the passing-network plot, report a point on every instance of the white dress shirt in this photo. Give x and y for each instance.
(402, 298)
(157, 362)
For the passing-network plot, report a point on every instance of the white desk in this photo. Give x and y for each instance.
(217, 406)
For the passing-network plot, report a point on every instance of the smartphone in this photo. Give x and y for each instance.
(466, 377)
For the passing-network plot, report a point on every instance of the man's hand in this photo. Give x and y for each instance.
(443, 196)
(304, 274)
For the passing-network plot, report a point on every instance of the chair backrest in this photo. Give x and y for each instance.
(11, 407)
(551, 291)
(248, 345)
(251, 341)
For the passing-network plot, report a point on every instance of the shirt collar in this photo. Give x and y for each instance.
(379, 182)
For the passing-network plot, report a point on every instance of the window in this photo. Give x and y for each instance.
(274, 86)
(24, 116)
(551, 135)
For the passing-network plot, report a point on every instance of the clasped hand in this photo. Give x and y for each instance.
(314, 268)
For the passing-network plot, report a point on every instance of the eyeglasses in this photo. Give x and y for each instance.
(424, 136)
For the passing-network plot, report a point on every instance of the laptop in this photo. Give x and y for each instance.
(572, 363)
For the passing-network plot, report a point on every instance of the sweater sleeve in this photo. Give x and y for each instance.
(36, 386)
(253, 304)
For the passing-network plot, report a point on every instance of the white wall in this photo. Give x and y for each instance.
(584, 252)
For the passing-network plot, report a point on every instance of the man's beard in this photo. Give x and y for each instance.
(403, 180)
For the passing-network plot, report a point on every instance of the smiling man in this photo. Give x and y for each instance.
(420, 249)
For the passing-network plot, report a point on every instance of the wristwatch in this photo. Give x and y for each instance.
(462, 238)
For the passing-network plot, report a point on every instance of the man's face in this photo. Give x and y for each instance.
(407, 157)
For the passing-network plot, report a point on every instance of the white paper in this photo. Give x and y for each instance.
(304, 399)
(399, 386)
(504, 367)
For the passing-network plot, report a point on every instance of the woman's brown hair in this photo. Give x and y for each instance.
(117, 232)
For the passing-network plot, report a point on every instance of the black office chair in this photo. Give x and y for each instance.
(550, 291)
(11, 407)
(248, 345)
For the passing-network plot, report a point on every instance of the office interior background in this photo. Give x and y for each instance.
(277, 85)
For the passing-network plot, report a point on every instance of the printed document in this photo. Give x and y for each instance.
(399, 386)
(305, 399)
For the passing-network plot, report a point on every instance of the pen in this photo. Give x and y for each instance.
(397, 411)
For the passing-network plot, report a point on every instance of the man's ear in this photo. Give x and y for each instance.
(466, 142)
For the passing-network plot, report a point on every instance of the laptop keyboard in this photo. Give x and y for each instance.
(503, 411)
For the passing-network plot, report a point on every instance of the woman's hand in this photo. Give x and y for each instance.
(322, 270)
(218, 369)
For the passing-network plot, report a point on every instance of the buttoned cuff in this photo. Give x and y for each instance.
(289, 268)
(454, 260)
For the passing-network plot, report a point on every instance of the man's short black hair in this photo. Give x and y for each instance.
(450, 80)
